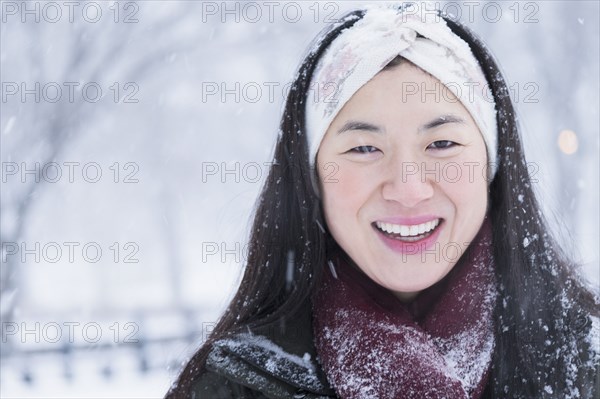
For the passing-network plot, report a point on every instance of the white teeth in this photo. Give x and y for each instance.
(408, 231)
(429, 225)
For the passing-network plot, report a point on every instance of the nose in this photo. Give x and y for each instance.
(408, 183)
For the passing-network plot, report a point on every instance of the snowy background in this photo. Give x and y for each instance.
(135, 137)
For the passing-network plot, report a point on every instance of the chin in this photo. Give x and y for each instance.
(419, 283)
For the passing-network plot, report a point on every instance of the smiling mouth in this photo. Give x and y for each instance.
(407, 233)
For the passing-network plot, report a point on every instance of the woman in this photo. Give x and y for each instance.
(398, 250)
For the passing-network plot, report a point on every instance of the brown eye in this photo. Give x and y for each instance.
(364, 149)
(442, 144)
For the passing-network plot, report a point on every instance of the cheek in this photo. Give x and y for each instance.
(345, 192)
(465, 184)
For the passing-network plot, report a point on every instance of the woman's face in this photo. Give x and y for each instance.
(402, 174)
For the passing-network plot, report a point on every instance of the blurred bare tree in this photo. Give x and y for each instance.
(40, 131)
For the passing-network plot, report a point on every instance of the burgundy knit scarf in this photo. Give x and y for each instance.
(371, 345)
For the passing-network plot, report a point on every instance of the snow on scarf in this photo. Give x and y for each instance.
(440, 345)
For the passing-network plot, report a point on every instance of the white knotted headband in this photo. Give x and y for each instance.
(363, 50)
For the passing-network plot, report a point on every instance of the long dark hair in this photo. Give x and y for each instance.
(542, 317)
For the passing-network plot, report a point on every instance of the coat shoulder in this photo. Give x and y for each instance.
(215, 386)
(278, 360)
(253, 366)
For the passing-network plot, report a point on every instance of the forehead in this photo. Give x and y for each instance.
(403, 93)
(408, 84)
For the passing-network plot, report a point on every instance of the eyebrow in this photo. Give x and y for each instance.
(357, 125)
(441, 120)
(369, 127)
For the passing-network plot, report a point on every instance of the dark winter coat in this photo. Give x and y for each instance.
(272, 362)
(283, 365)
(279, 363)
